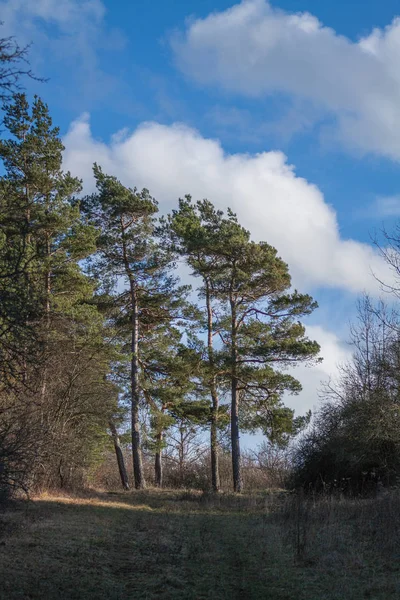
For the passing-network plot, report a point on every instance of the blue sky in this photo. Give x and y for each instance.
(288, 111)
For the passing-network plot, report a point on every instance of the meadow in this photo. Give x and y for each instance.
(195, 546)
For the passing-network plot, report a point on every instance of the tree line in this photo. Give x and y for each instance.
(100, 339)
(94, 319)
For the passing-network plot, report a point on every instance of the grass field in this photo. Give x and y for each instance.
(176, 545)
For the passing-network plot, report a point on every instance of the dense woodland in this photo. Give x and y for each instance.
(104, 350)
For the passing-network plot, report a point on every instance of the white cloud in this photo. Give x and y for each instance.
(263, 189)
(256, 50)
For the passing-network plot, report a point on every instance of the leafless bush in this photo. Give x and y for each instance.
(18, 450)
(263, 469)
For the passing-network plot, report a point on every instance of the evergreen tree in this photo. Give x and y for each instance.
(48, 324)
(193, 237)
(44, 237)
(172, 389)
(257, 319)
(149, 301)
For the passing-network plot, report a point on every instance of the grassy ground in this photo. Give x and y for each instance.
(171, 545)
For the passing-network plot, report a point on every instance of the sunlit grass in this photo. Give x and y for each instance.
(93, 502)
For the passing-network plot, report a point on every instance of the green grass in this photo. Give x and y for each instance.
(172, 545)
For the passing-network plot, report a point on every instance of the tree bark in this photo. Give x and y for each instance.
(181, 454)
(138, 474)
(236, 464)
(47, 283)
(120, 457)
(215, 479)
(158, 461)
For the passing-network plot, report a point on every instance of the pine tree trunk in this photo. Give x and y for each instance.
(26, 244)
(47, 283)
(135, 396)
(120, 457)
(215, 480)
(181, 455)
(158, 461)
(236, 465)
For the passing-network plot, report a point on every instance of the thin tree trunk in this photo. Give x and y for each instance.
(158, 461)
(135, 395)
(47, 283)
(26, 249)
(120, 457)
(181, 455)
(236, 465)
(215, 480)
(158, 471)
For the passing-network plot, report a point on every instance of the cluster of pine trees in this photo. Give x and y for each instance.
(93, 318)
(98, 334)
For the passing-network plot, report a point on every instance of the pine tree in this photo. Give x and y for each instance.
(40, 216)
(257, 319)
(48, 324)
(171, 388)
(194, 239)
(136, 272)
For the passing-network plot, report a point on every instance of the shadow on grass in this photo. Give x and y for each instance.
(134, 546)
(174, 545)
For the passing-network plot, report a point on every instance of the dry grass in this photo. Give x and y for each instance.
(193, 546)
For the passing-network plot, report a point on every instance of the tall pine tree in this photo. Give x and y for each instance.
(49, 328)
(137, 273)
(246, 287)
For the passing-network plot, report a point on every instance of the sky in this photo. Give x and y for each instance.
(288, 112)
